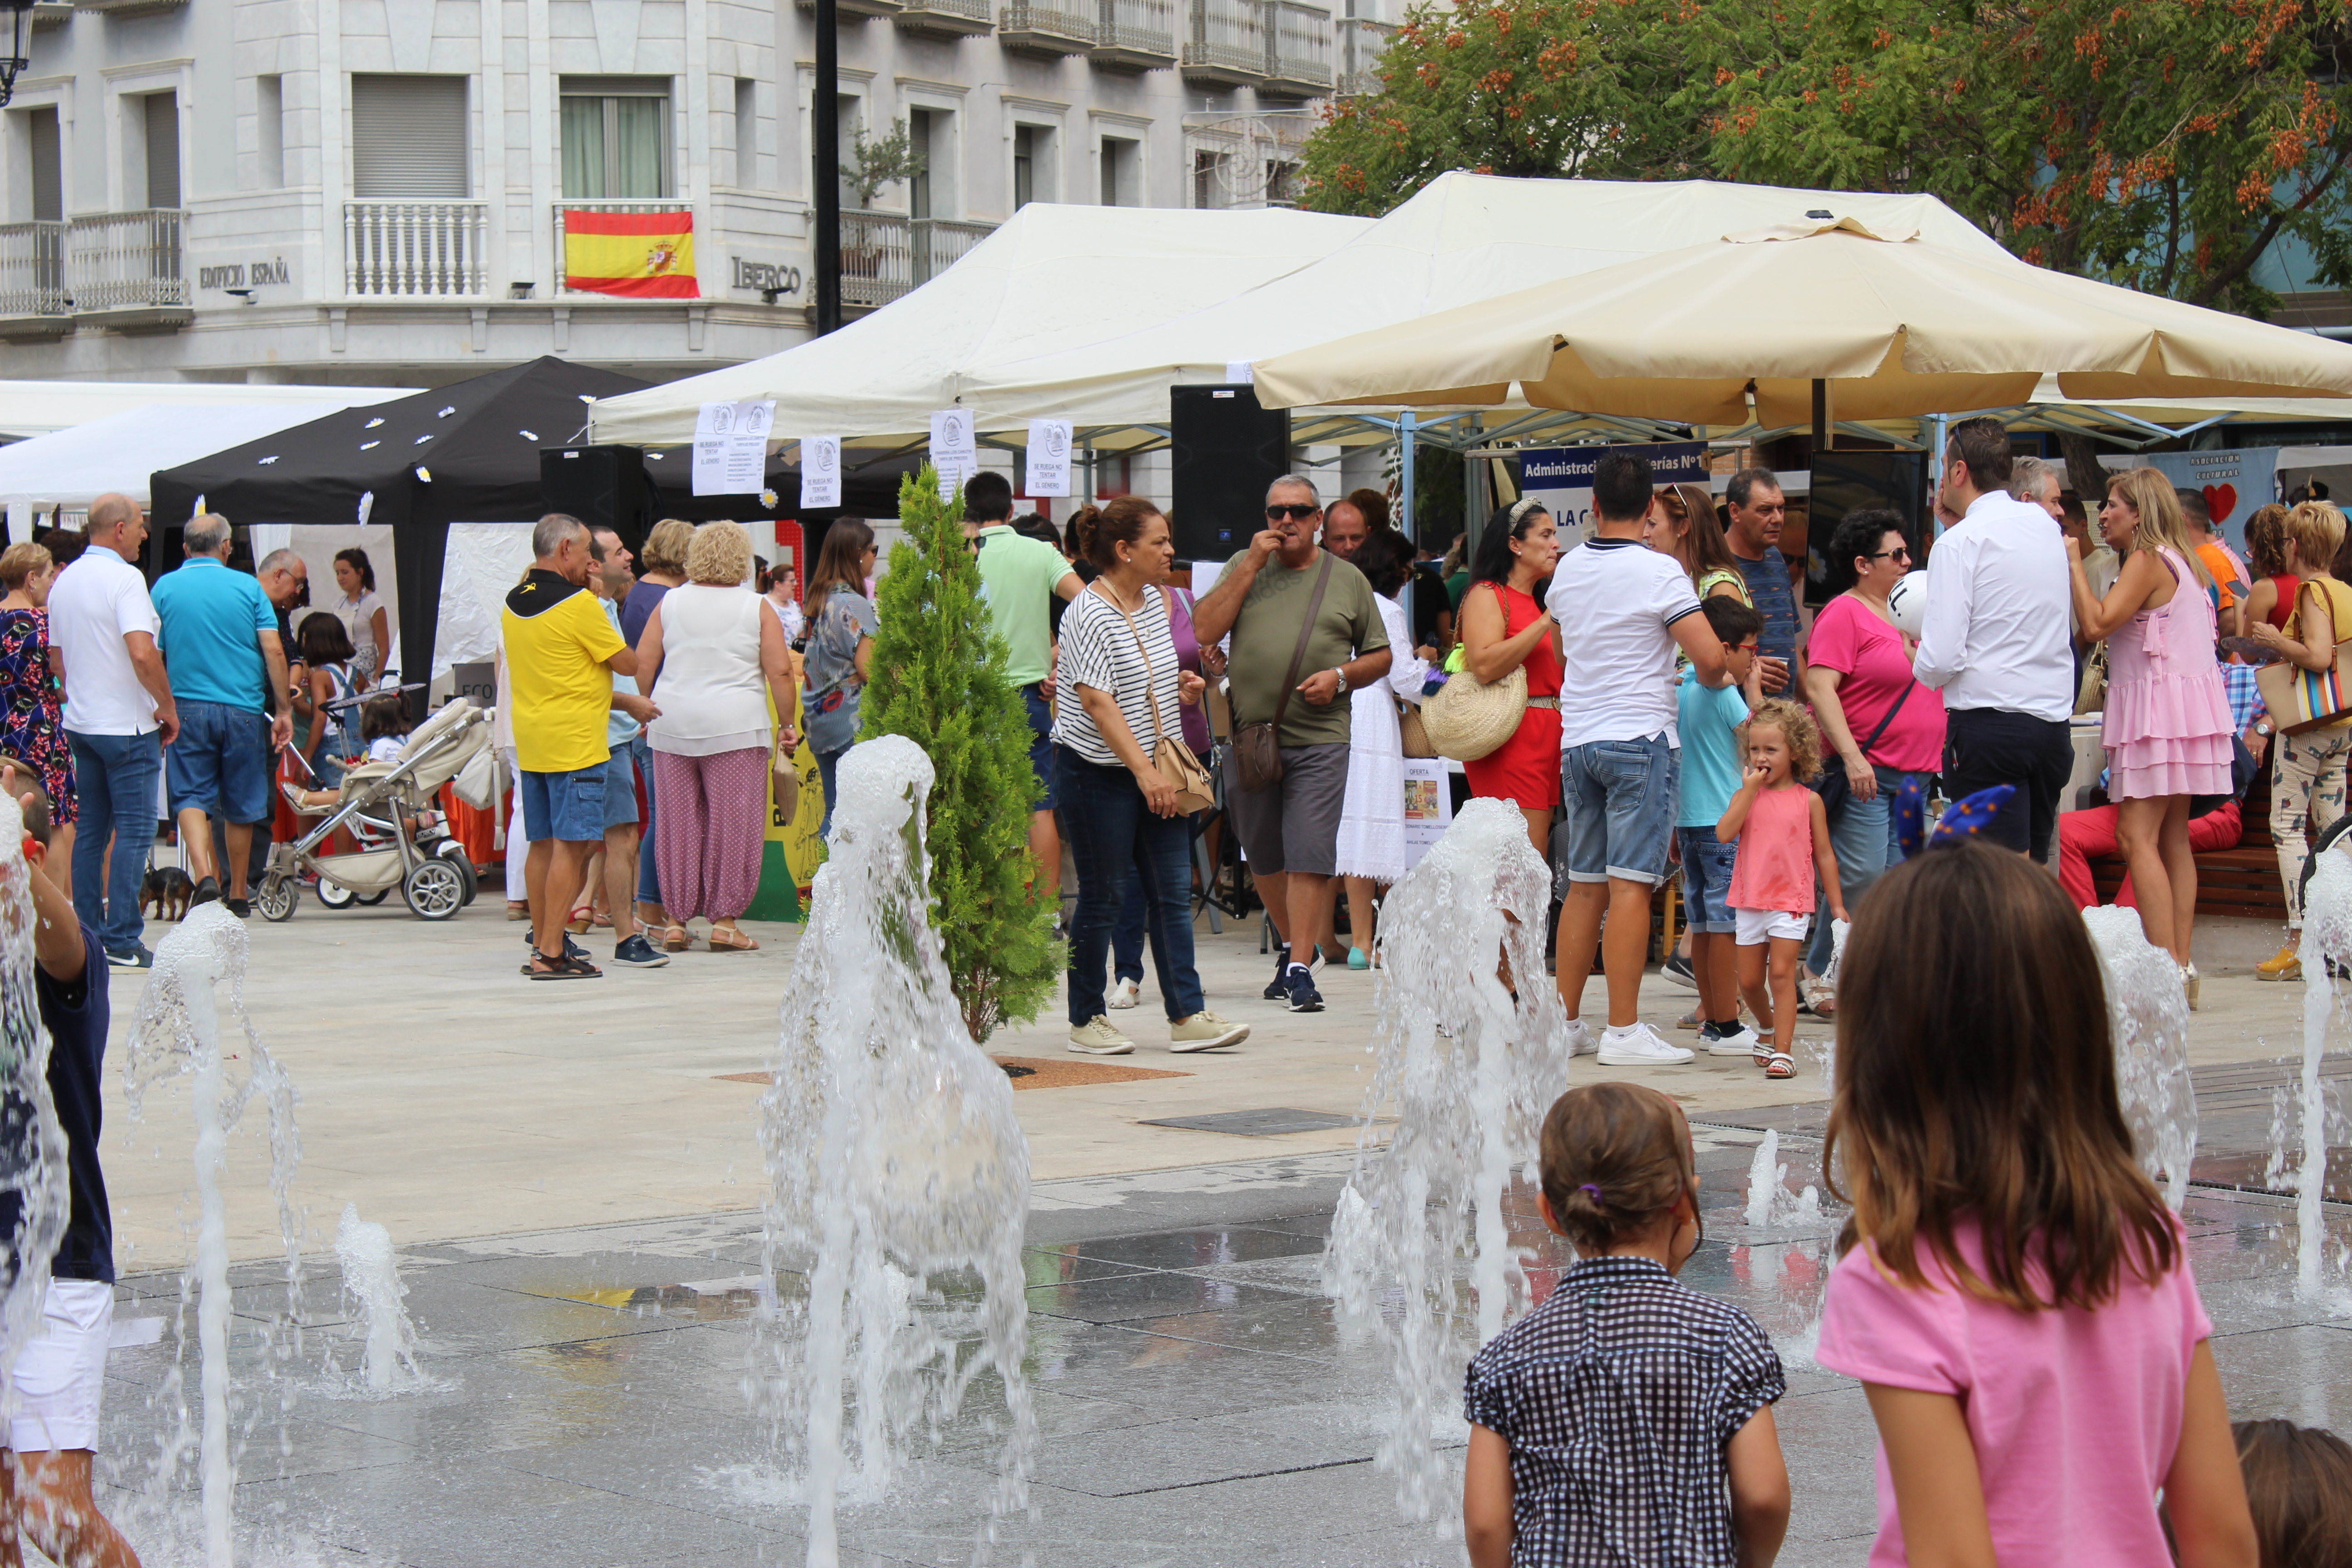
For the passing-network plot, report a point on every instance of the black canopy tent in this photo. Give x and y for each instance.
(463, 453)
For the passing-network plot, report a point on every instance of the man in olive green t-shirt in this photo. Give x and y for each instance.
(1020, 578)
(1290, 832)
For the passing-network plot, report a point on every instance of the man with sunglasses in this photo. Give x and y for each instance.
(1306, 632)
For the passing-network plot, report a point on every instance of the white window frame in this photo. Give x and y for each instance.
(17, 170)
(139, 80)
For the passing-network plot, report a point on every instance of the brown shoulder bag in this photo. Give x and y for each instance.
(1258, 748)
(1183, 772)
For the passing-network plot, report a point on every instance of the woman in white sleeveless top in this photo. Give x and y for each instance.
(721, 658)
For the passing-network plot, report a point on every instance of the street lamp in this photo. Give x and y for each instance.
(12, 63)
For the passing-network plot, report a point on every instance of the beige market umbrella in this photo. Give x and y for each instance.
(1886, 324)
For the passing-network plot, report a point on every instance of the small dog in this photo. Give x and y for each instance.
(168, 889)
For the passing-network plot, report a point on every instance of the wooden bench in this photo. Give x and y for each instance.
(2239, 881)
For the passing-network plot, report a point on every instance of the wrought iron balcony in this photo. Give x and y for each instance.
(945, 18)
(119, 271)
(1045, 29)
(1134, 35)
(885, 254)
(1226, 43)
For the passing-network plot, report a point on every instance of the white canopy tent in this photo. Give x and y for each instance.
(1054, 278)
(30, 409)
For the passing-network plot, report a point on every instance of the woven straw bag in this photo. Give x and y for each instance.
(1468, 718)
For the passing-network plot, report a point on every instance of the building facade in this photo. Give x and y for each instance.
(375, 191)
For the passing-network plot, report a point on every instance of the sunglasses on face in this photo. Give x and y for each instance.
(1295, 513)
(1898, 554)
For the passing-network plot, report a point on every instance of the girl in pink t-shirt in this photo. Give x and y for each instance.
(1783, 834)
(2015, 1299)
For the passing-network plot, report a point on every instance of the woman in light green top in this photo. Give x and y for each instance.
(1683, 525)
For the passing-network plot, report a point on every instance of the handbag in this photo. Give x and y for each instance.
(786, 779)
(1831, 783)
(1411, 732)
(1196, 791)
(1258, 748)
(1467, 717)
(2300, 699)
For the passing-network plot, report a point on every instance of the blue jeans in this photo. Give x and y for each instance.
(828, 764)
(641, 753)
(1116, 840)
(1621, 797)
(1864, 839)
(115, 777)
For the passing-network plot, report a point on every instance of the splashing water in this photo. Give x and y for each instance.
(178, 1033)
(33, 1175)
(1469, 1075)
(372, 1285)
(2148, 1011)
(893, 1157)
(2326, 939)
(1764, 1176)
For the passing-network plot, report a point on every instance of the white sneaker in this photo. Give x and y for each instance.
(1581, 1041)
(1123, 995)
(1639, 1047)
(1095, 1038)
(1740, 1044)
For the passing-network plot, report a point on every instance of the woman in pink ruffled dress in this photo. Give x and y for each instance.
(2167, 723)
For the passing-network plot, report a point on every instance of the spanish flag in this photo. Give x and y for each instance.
(644, 255)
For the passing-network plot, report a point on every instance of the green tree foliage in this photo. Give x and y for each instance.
(2168, 145)
(938, 679)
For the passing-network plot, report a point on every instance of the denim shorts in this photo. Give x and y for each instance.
(1040, 744)
(620, 789)
(1706, 880)
(220, 765)
(566, 806)
(1621, 797)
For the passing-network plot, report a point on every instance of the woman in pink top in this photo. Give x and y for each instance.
(2167, 723)
(1784, 842)
(2015, 1299)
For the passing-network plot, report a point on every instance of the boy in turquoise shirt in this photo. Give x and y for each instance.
(1708, 722)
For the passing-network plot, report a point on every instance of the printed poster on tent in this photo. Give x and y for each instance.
(1561, 478)
(1428, 805)
(2234, 483)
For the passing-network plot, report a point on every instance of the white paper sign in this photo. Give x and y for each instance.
(730, 446)
(1049, 457)
(952, 437)
(1238, 373)
(1428, 805)
(820, 470)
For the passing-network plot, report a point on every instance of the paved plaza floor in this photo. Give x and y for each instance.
(571, 1176)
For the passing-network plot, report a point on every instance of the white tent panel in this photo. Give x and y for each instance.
(37, 408)
(1463, 238)
(1054, 278)
(118, 451)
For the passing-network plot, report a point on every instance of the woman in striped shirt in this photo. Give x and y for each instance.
(1120, 693)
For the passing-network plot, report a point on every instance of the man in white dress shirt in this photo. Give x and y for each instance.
(1995, 641)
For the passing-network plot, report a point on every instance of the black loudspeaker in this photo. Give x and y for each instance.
(603, 487)
(1846, 483)
(1226, 451)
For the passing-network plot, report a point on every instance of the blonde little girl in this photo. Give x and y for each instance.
(1784, 843)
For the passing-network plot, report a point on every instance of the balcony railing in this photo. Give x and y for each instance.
(1134, 35)
(945, 18)
(127, 261)
(1226, 42)
(33, 270)
(1054, 29)
(666, 205)
(416, 248)
(884, 255)
(1361, 43)
(1298, 49)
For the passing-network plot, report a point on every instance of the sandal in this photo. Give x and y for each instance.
(727, 939)
(566, 968)
(1780, 1064)
(676, 938)
(582, 918)
(1764, 1053)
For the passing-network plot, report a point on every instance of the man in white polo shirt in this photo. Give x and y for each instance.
(118, 717)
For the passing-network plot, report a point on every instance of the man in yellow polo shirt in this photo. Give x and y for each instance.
(562, 655)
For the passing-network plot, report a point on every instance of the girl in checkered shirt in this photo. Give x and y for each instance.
(1628, 1418)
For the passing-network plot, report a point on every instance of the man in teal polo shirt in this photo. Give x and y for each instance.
(218, 637)
(1019, 579)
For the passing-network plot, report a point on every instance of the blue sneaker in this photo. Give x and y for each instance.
(1304, 997)
(1278, 987)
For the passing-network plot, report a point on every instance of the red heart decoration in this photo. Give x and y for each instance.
(2221, 500)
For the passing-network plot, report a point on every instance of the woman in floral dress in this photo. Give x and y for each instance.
(31, 728)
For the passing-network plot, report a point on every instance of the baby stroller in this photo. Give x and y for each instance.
(377, 799)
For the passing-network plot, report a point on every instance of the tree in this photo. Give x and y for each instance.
(938, 679)
(2173, 146)
(884, 160)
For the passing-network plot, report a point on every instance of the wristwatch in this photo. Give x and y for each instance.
(2262, 726)
(1341, 672)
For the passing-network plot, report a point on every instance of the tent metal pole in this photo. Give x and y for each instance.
(1404, 475)
(825, 170)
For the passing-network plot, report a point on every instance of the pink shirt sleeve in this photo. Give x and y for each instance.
(1903, 1336)
(1833, 645)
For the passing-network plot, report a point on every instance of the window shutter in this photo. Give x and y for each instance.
(162, 149)
(408, 138)
(49, 166)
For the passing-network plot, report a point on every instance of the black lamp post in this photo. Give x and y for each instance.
(13, 62)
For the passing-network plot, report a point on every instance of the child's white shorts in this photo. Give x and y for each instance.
(1750, 928)
(62, 1373)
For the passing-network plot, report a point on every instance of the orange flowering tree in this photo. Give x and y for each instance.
(2172, 146)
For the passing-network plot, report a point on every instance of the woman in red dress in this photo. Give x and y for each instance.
(1504, 627)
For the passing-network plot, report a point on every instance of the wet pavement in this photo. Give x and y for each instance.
(1197, 1402)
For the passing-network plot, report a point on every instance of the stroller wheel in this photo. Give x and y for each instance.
(334, 895)
(370, 901)
(277, 896)
(435, 890)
